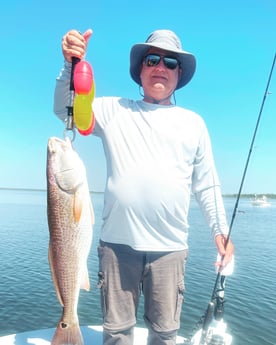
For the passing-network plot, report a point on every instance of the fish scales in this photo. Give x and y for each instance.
(70, 220)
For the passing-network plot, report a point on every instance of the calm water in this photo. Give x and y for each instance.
(28, 300)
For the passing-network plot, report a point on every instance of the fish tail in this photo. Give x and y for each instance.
(67, 334)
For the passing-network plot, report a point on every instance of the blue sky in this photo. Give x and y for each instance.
(233, 41)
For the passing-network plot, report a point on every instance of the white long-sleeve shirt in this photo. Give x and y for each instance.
(156, 156)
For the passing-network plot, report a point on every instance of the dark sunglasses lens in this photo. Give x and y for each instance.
(170, 63)
(152, 60)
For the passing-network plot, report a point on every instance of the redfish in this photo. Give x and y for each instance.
(70, 220)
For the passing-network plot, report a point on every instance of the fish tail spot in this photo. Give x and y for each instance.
(67, 333)
(63, 325)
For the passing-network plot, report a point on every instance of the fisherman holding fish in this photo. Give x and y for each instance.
(157, 154)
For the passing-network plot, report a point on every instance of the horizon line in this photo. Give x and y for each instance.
(273, 195)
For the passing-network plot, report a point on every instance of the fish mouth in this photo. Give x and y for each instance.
(54, 144)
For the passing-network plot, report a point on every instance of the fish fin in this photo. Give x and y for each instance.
(85, 283)
(77, 208)
(50, 258)
(67, 334)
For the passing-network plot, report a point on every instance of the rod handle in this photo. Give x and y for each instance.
(75, 60)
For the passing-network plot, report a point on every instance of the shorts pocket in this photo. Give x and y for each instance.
(179, 301)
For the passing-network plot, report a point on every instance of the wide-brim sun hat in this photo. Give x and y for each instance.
(166, 40)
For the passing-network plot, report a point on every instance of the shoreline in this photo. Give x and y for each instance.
(227, 195)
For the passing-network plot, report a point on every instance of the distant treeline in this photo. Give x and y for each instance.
(245, 196)
(249, 196)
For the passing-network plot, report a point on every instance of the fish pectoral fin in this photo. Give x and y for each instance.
(77, 207)
(85, 284)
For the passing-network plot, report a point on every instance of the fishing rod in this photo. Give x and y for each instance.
(215, 305)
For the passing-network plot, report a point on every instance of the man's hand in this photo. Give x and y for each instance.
(225, 253)
(74, 44)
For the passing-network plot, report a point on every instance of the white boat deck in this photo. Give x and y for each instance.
(91, 335)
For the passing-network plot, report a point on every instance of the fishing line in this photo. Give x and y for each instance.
(220, 279)
(250, 151)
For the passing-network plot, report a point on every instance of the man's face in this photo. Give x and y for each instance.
(159, 77)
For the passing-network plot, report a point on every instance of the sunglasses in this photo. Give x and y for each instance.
(152, 60)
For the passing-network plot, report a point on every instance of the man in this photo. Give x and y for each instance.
(157, 154)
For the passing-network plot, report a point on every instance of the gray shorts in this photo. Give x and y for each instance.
(124, 273)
